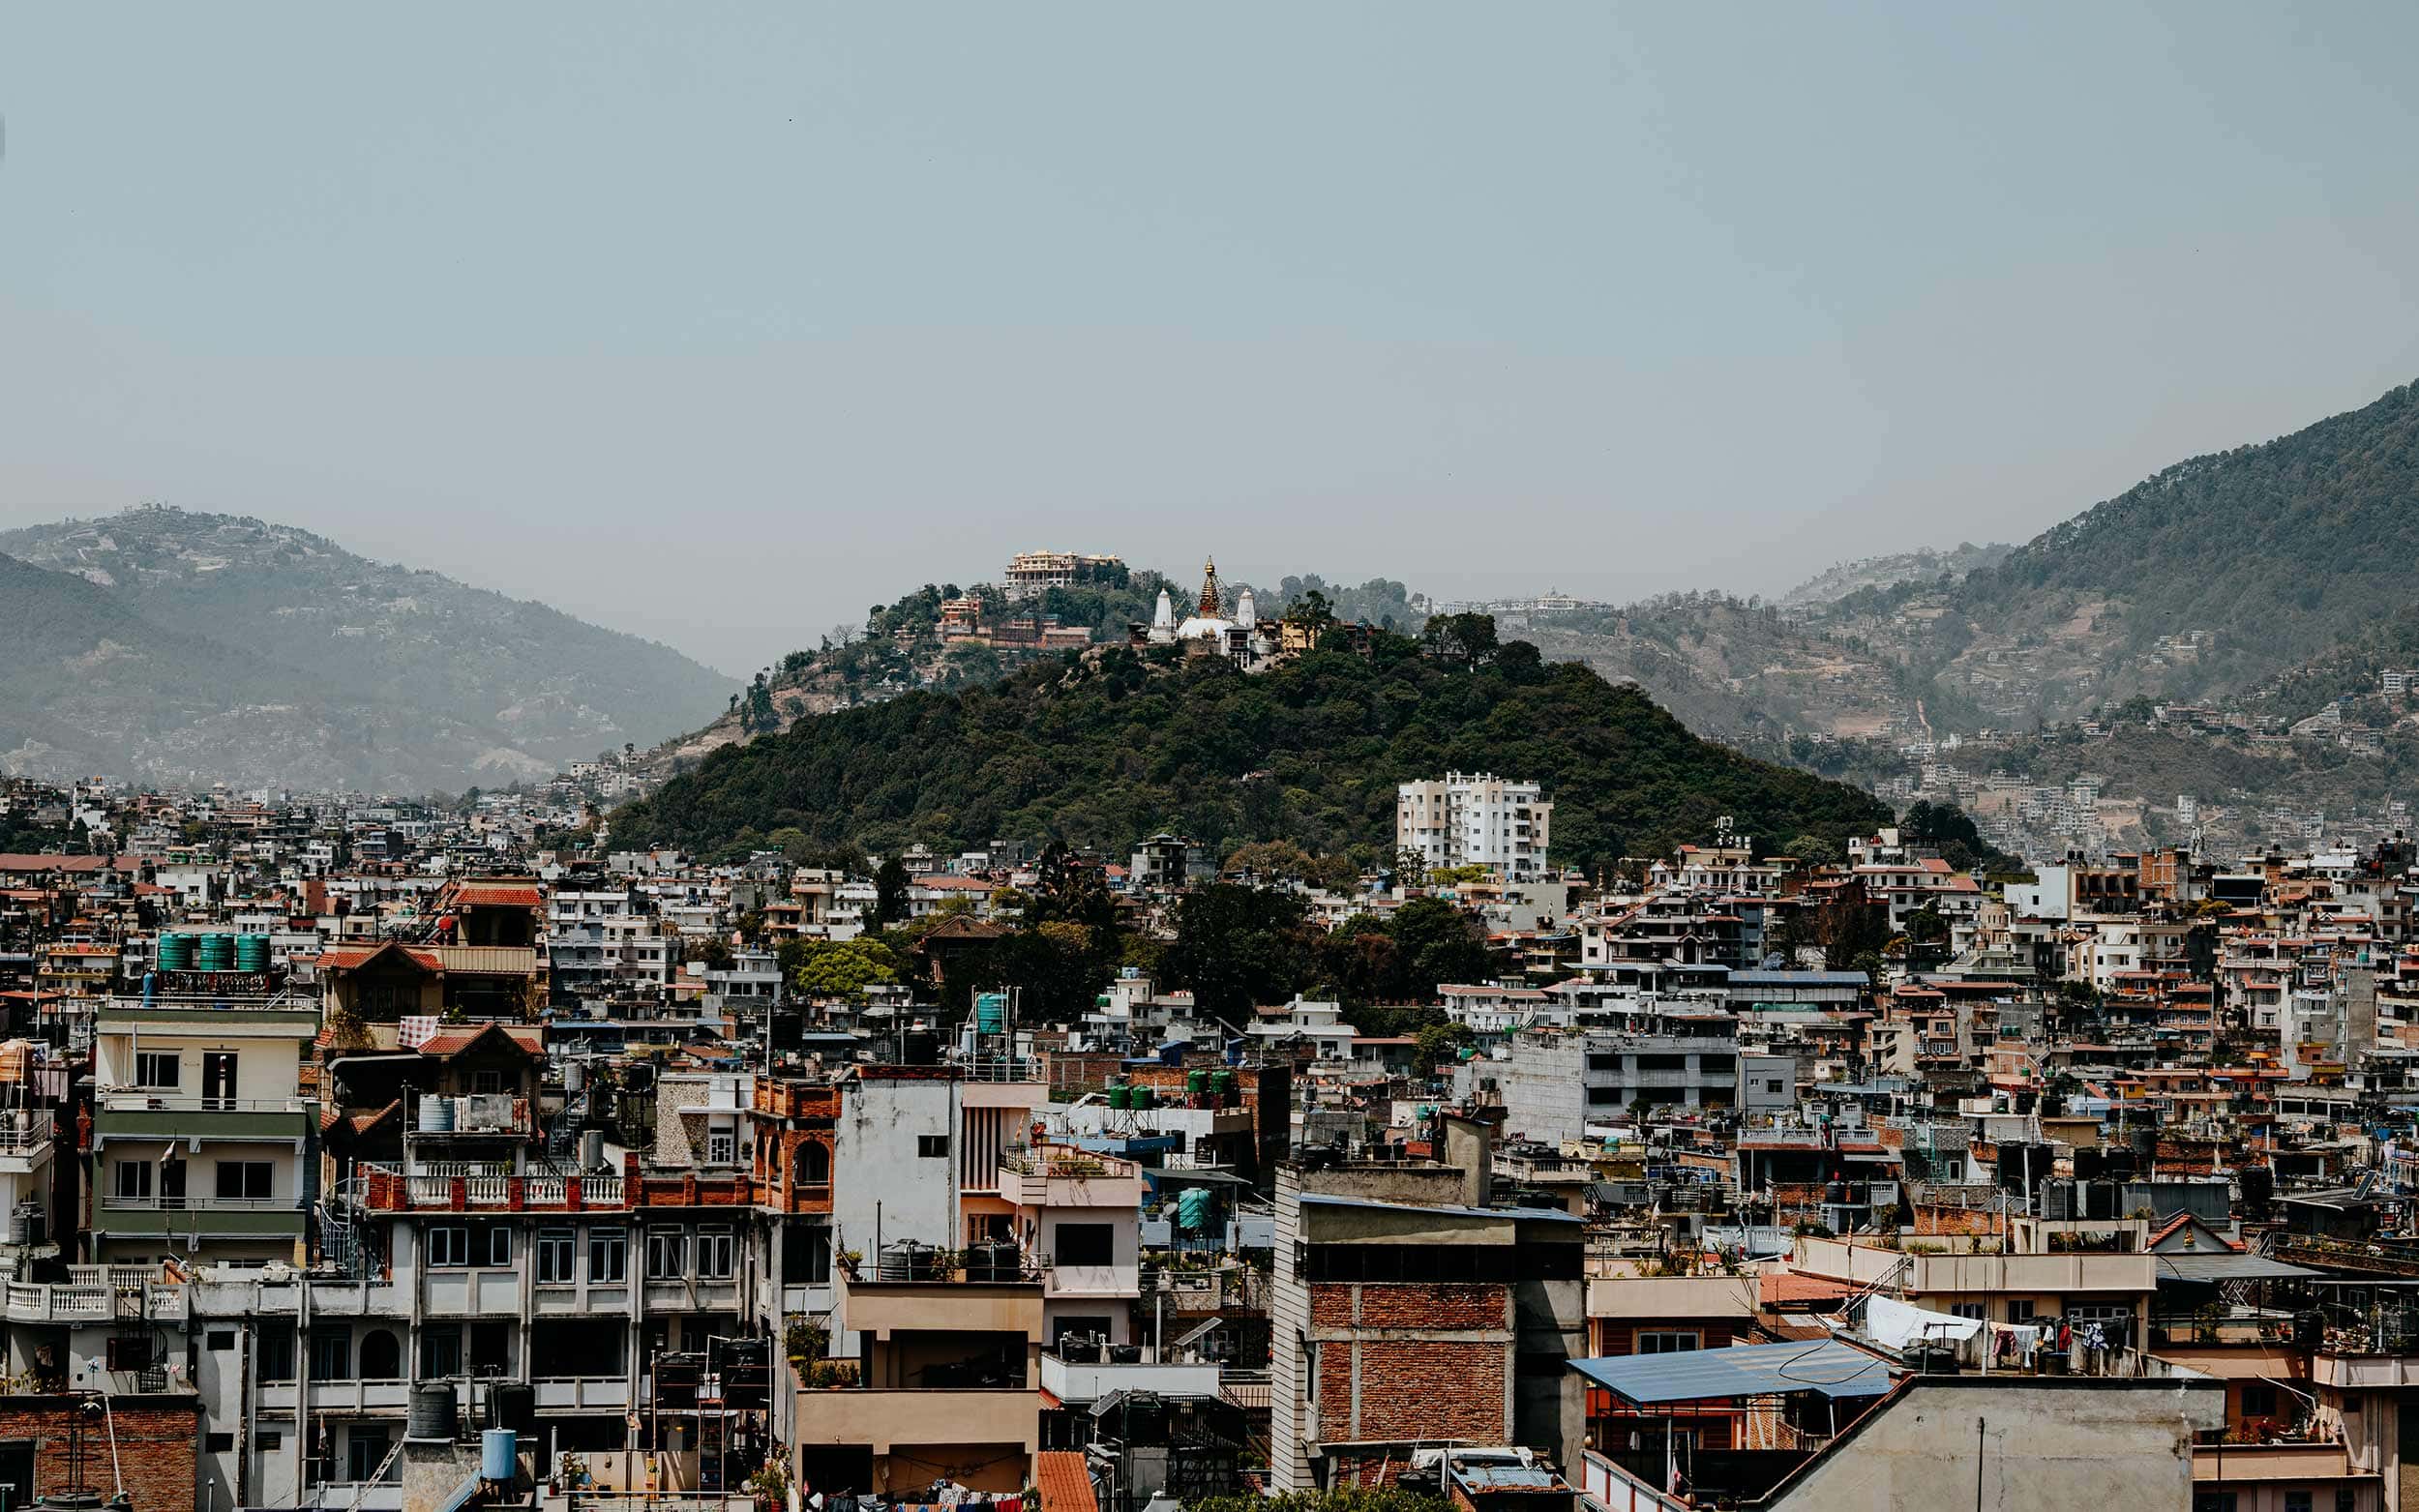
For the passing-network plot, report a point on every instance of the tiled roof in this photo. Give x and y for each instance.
(1065, 1484)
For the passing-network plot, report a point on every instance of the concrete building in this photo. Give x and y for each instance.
(1476, 818)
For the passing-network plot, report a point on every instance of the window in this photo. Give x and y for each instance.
(277, 1352)
(1673, 1340)
(814, 1164)
(716, 1253)
(440, 1349)
(2259, 1401)
(806, 1257)
(131, 1352)
(269, 1440)
(667, 1254)
(331, 1354)
(1975, 1311)
(217, 1443)
(157, 1069)
(219, 1338)
(365, 1451)
(2213, 1502)
(554, 1255)
(1085, 1244)
(487, 1083)
(131, 1181)
(609, 1253)
(381, 1357)
(2346, 1499)
(244, 1180)
(722, 1147)
(449, 1246)
(2020, 1310)
(932, 1145)
(495, 1245)
(2297, 1501)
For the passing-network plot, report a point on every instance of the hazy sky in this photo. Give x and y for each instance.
(719, 323)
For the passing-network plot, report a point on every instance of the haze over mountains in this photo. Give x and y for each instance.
(159, 643)
(168, 643)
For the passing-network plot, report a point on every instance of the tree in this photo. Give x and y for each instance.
(1278, 860)
(1466, 641)
(1437, 943)
(1814, 850)
(1238, 947)
(891, 889)
(823, 968)
(1439, 1044)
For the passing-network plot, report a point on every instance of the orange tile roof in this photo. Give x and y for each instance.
(1065, 1484)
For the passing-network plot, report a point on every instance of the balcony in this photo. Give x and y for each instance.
(487, 1115)
(948, 1415)
(1078, 1381)
(796, 1099)
(97, 1293)
(582, 1393)
(1928, 1275)
(944, 1303)
(1062, 1176)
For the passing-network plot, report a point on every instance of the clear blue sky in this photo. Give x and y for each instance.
(719, 323)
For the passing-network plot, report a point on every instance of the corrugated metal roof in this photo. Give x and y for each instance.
(2229, 1265)
(1751, 1370)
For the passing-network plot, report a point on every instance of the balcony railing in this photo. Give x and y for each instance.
(124, 1099)
(154, 1204)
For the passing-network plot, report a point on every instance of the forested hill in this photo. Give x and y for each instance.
(2280, 549)
(1102, 749)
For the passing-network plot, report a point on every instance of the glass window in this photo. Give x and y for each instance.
(667, 1254)
(244, 1180)
(554, 1255)
(716, 1253)
(440, 1349)
(449, 1245)
(609, 1253)
(157, 1069)
(932, 1144)
(331, 1354)
(497, 1245)
(1085, 1244)
(131, 1181)
(1669, 1341)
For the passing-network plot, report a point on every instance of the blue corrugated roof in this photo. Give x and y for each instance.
(1748, 1369)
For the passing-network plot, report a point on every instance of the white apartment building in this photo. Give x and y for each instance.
(1476, 818)
(1031, 574)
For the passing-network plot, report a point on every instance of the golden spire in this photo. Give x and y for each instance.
(1210, 606)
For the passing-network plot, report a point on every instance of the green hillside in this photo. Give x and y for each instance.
(1102, 751)
(2281, 549)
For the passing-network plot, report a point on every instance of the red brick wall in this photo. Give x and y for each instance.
(1426, 1388)
(154, 1445)
(1436, 1305)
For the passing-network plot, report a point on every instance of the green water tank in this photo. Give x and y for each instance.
(1120, 1096)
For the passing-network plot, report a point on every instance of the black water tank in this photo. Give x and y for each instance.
(2259, 1184)
(2088, 1163)
(513, 1404)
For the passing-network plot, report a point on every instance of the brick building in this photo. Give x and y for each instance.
(62, 1441)
(1404, 1316)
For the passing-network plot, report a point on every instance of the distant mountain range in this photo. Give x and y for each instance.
(167, 645)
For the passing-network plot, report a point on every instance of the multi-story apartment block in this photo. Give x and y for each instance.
(1476, 818)
(1031, 574)
(202, 1132)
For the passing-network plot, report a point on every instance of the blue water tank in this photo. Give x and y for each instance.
(499, 1447)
